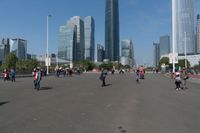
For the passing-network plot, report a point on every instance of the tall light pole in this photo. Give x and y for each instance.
(185, 50)
(173, 32)
(47, 55)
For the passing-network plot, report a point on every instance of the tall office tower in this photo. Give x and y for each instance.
(156, 52)
(112, 30)
(67, 43)
(100, 53)
(198, 35)
(4, 49)
(19, 48)
(89, 26)
(183, 26)
(71, 40)
(164, 45)
(80, 43)
(127, 53)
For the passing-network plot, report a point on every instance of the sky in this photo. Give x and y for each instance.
(142, 21)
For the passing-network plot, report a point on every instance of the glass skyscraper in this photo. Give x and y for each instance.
(89, 38)
(79, 48)
(183, 26)
(100, 53)
(112, 30)
(198, 35)
(19, 48)
(156, 52)
(67, 42)
(127, 53)
(71, 40)
(164, 45)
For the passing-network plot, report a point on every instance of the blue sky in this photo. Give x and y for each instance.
(143, 21)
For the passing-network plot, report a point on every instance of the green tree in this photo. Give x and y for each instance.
(108, 66)
(10, 61)
(164, 60)
(181, 63)
(26, 66)
(87, 65)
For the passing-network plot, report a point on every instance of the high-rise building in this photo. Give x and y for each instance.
(156, 52)
(127, 53)
(183, 26)
(71, 40)
(164, 45)
(79, 45)
(112, 30)
(4, 49)
(100, 53)
(198, 35)
(89, 26)
(67, 42)
(19, 48)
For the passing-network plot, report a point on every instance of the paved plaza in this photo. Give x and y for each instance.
(79, 104)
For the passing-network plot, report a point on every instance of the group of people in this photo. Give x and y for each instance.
(180, 79)
(9, 73)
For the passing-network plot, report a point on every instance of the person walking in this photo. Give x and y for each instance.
(37, 78)
(12, 73)
(137, 75)
(178, 81)
(103, 75)
(184, 77)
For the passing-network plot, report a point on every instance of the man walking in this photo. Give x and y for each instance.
(104, 73)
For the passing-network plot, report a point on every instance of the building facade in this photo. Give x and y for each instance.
(19, 48)
(164, 45)
(112, 30)
(198, 35)
(79, 48)
(4, 49)
(67, 42)
(89, 29)
(127, 53)
(183, 26)
(100, 53)
(156, 52)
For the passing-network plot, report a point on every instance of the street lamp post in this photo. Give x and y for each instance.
(47, 55)
(185, 51)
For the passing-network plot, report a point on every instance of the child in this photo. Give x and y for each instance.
(178, 81)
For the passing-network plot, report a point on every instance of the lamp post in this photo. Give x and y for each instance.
(185, 50)
(47, 55)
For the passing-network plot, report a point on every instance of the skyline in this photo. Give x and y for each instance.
(142, 23)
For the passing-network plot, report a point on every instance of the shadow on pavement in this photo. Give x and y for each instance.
(108, 84)
(46, 88)
(2, 103)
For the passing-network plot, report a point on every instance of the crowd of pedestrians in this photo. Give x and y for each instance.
(9, 75)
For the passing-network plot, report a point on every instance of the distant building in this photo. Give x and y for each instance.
(112, 30)
(71, 40)
(164, 45)
(77, 22)
(89, 29)
(67, 43)
(156, 52)
(100, 53)
(28, 56)
(19, 48)
(127, 53)
(183, 26)
(4, 49)
(198, 35)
